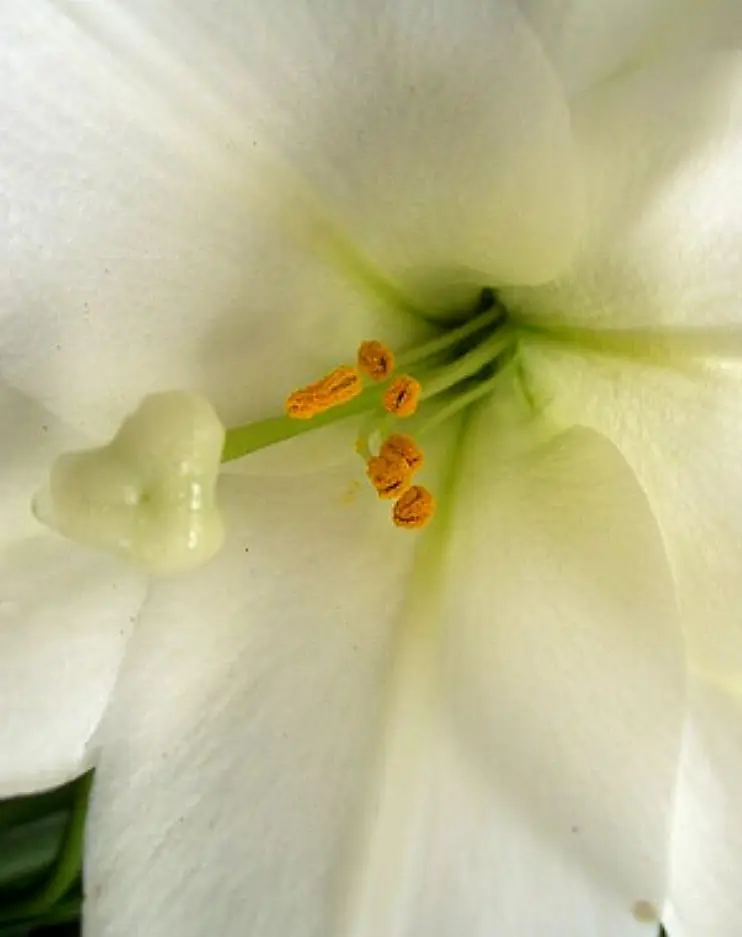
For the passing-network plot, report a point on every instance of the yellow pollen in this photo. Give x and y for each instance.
(336, 388)
(414, 509)
(402, 396)
(375, 360)
(390, 477)
(398, 446)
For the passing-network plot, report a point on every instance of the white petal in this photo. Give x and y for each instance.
(438, 140)
(445, 150)
(707, 875)
(681, 432)
(566, 667)
(490, 869)
(236, 751)
(135, 258)
(663, 151)
(65, 616)
(589, 42)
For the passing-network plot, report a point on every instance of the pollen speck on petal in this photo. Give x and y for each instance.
(375, 360)
(645, 912)
(402, 396)
(414, 509)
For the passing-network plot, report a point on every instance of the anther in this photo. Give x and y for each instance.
(398, 446)
(402, 396)
(375, 360)
(414, 509)
(338, 387)
(390, 477)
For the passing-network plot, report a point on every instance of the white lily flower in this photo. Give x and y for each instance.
(523, 721)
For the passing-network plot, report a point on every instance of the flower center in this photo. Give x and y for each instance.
(424, 386)
(150, 496)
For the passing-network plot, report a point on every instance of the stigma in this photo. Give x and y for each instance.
(149, 495)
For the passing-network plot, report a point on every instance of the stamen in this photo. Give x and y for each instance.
(414, 509)
(402, 396)
(456, 369)
(405, 448)
(338, 387)
(390, 477)
(375, 360)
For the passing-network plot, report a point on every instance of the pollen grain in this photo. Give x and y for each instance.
(402, 396)
(414, 509)
(375, 360)
(336, 388)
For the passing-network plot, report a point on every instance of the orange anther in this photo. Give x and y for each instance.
(402, 396)
(390, 477)
(375, 360)
(398, 446)
(336, 388)
(414, 509)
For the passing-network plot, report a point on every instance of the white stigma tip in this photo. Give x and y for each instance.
(150, 494)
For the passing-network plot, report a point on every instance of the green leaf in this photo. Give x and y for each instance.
(28, 851)
(21, 810)
(65, 913)
(41, 840)
(65, 873)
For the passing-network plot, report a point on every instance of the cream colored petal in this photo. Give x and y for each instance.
(489, 868)
(135, 258)
(565, 670)
(708, 833)
(436, 136)
(236, 750)
(681, 431)
(663, 156)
